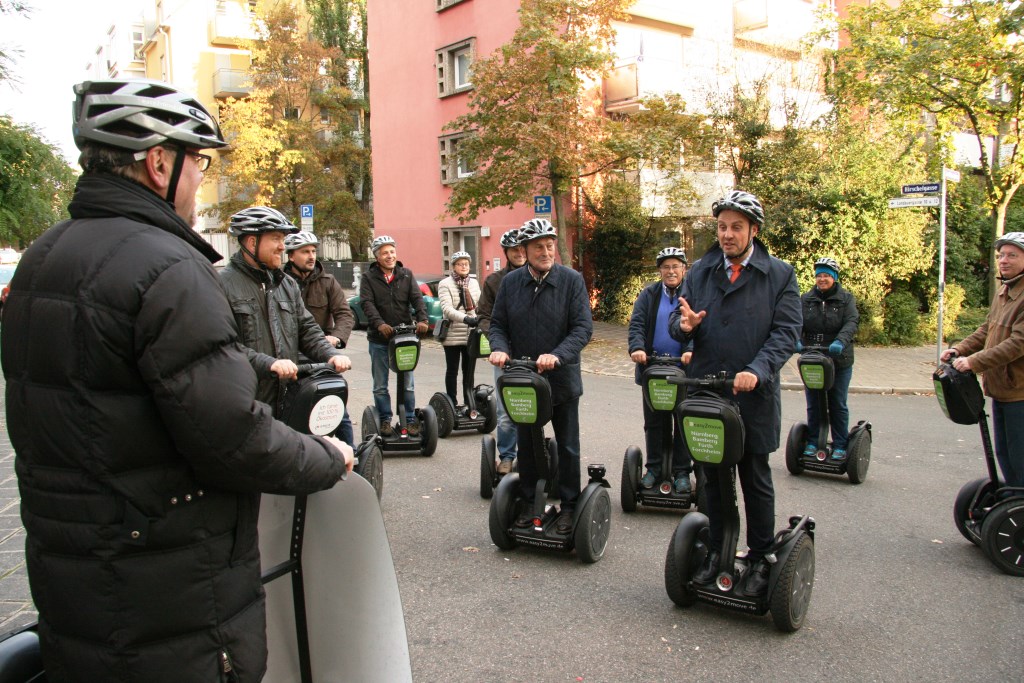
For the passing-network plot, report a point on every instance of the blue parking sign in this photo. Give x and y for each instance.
(542, 204)
(305, 210)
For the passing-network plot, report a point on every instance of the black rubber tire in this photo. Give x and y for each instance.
(371, 465)
(791, 594)
(593, 526)
(685, 555)
(488, 468)
(503, 511)
(370, 423)
(551, 448)
(445, 414)
(859, 456)
(488, 406)
(795, 445)
(428, 423)
(1002, 536)
(631, 464)
(962, 506)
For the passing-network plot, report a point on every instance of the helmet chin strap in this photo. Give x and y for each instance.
(179, 164)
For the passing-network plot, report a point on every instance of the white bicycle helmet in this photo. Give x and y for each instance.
(139, 114)
(259, 219)
(461, 255)
(1014, 238)
(379, 242)
(744, 202)
(299, 240)
(536, 228)
(670, 252)
(828, 263)
(510, 238)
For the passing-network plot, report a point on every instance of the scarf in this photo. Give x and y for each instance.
(463, 284)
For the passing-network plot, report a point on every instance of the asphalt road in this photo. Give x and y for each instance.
(899, 595)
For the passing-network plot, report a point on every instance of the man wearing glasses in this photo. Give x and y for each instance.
(140, 450)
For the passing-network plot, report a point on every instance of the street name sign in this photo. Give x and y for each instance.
(903, 202)
(920, 187)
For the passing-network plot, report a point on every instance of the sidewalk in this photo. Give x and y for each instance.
(876, 370)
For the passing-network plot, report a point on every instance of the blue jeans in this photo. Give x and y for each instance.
(1008, 421)
(344, 431)
(380, 369)
(565, 418)
(838, 413)
(506, 432)
(655, 424)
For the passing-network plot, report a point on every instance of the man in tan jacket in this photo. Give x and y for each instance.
(997, 350)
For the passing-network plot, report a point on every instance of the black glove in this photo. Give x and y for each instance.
(471, 320)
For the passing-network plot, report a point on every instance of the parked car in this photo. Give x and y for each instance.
(6, 273)
(430, 300)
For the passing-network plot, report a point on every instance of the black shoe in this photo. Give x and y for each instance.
(756, 583)
(563, 525)
(524, 521)
(708, 570)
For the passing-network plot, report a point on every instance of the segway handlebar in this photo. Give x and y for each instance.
(404, 328)
(717, 382)
(523, 363)
(662, 360)
(307, 369)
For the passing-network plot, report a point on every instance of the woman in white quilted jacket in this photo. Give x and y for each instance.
(458, 294)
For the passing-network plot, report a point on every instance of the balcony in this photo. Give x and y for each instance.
(638, 77)
(777, 23)
(231, 28)
(231, 83)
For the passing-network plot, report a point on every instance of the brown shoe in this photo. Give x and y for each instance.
(505, 466)
(413, 427)
(386, 429)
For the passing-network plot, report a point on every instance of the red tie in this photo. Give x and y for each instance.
(736, 268)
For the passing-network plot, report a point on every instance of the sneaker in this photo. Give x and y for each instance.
(385, 428)
(524, 521)
(649, 479)
(811, 449)
(563, 524)
(413, 427)
(757, 579)
(505, 466)
(839, 454)
(682, 484)
(708, 569)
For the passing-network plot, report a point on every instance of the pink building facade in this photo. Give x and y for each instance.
(419, 81)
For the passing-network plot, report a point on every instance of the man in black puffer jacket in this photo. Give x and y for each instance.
(140, 450)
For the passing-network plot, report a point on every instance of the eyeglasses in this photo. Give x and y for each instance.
(670, 268)
(202, 160)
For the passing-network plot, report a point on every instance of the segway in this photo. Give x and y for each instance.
(662, 396)
(315, 404)
(403, 356)
(987, 513)
(526, 395)
(817, 371)
(481, 409)
(714, 433)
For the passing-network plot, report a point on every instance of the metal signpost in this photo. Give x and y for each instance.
(951, 175)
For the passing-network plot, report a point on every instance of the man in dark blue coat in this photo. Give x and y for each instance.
(740, 307)
(542, 312)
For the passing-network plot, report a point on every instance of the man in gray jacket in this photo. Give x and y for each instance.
(272, 320)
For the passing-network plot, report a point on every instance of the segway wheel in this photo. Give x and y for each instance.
(442, 406)
(370, 423)
(859, 458)
(551, 448)
(685, 554)
(488, 468)
(631, 464)
(503, 511)
(593, 526)
(792, 594)
(962, 506)
(488, 405)
(428, 425)
(1002, 534)
(371, 464)
(795, 445)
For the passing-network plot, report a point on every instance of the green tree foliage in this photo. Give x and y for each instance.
(536, 126)
(35, 184)
(293, 139)
(961, 62)
(8, 55)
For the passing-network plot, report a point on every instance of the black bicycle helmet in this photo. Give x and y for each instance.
(257, 220)
(670, 252)
(535, 228)
(510, 238)
(139, 114)
(744, 202)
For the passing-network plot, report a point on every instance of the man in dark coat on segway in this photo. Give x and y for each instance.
(740, 307)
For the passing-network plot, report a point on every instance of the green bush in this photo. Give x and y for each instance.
(903, 324)
(952, 308)
(968, 321)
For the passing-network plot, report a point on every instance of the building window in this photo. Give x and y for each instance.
(454, 63)
(138, 40)
(445, 4)
(325, 117)
(453, 164)
(291, 112)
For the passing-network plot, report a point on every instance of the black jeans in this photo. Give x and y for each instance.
(452, 356)
(758, 498)
(565, 418)
(655, 424)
